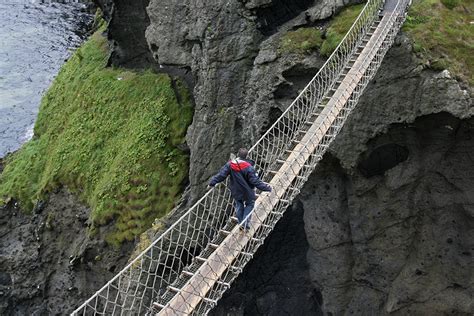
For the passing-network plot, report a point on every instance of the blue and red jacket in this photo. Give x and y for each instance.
(243, 179)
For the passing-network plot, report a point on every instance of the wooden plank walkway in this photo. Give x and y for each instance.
(186, 300)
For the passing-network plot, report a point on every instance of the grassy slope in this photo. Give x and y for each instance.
(305, 40)
(302, 40)
(109, 135)
(339, 27)
(443, 34)
(441, 30)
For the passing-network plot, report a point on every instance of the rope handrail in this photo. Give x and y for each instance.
(330, 59)
(188, 246)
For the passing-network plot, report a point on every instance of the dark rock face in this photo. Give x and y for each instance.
(360, 259)
(389, 213)
(401, 242)
(383, 158)
(126, 32)
(241, 80)
(48, 264)
(276, 281)
(218, 44)
(274, 13)
(129, 46)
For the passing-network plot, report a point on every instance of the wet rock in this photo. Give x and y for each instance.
(5, 279)
(39, 207)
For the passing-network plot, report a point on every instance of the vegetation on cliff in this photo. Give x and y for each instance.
(305, 40)
(339, 27)
(302, 40)
(109, 135)
(443, 34)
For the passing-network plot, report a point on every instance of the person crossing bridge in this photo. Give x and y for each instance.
(243, 181)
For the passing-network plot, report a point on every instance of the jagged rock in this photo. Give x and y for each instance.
(47, 261)
(237, 70)
(326, 8)
(218, 44)
(399, 240)
(127, 44)
(377, 237)
(243, 83)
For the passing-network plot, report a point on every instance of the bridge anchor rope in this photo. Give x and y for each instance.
(189, 267)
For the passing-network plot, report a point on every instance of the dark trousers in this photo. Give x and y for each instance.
(242, 210)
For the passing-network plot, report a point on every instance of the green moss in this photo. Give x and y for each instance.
(339, 27)
(443, 34)
(49, 221)
(99, 21)
(450, 4)
(303, 40)
(306, 40)
(110, 135)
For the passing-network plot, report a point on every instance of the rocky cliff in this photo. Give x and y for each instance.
(49, 264)
(241, 81)
(384, 225)
(388, 215)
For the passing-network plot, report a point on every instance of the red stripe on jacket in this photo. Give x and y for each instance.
(240, 166)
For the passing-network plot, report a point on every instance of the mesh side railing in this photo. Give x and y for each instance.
(278, 138)
(263, 225)
(168, 263)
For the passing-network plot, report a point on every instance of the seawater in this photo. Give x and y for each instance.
(36, 38)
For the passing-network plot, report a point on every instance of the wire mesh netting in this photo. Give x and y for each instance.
(189, 267)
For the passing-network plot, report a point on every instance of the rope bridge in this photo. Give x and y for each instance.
(189, 267)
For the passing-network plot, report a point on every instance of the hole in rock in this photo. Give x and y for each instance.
(299, 75)
(383, 158)
(273, 115)
(270, 17)
(284, 90)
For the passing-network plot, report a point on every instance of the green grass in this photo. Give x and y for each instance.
(450, 4)
(307, 40)
(339, 27)
(303, 40)
(443, 35)
(109, 135)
